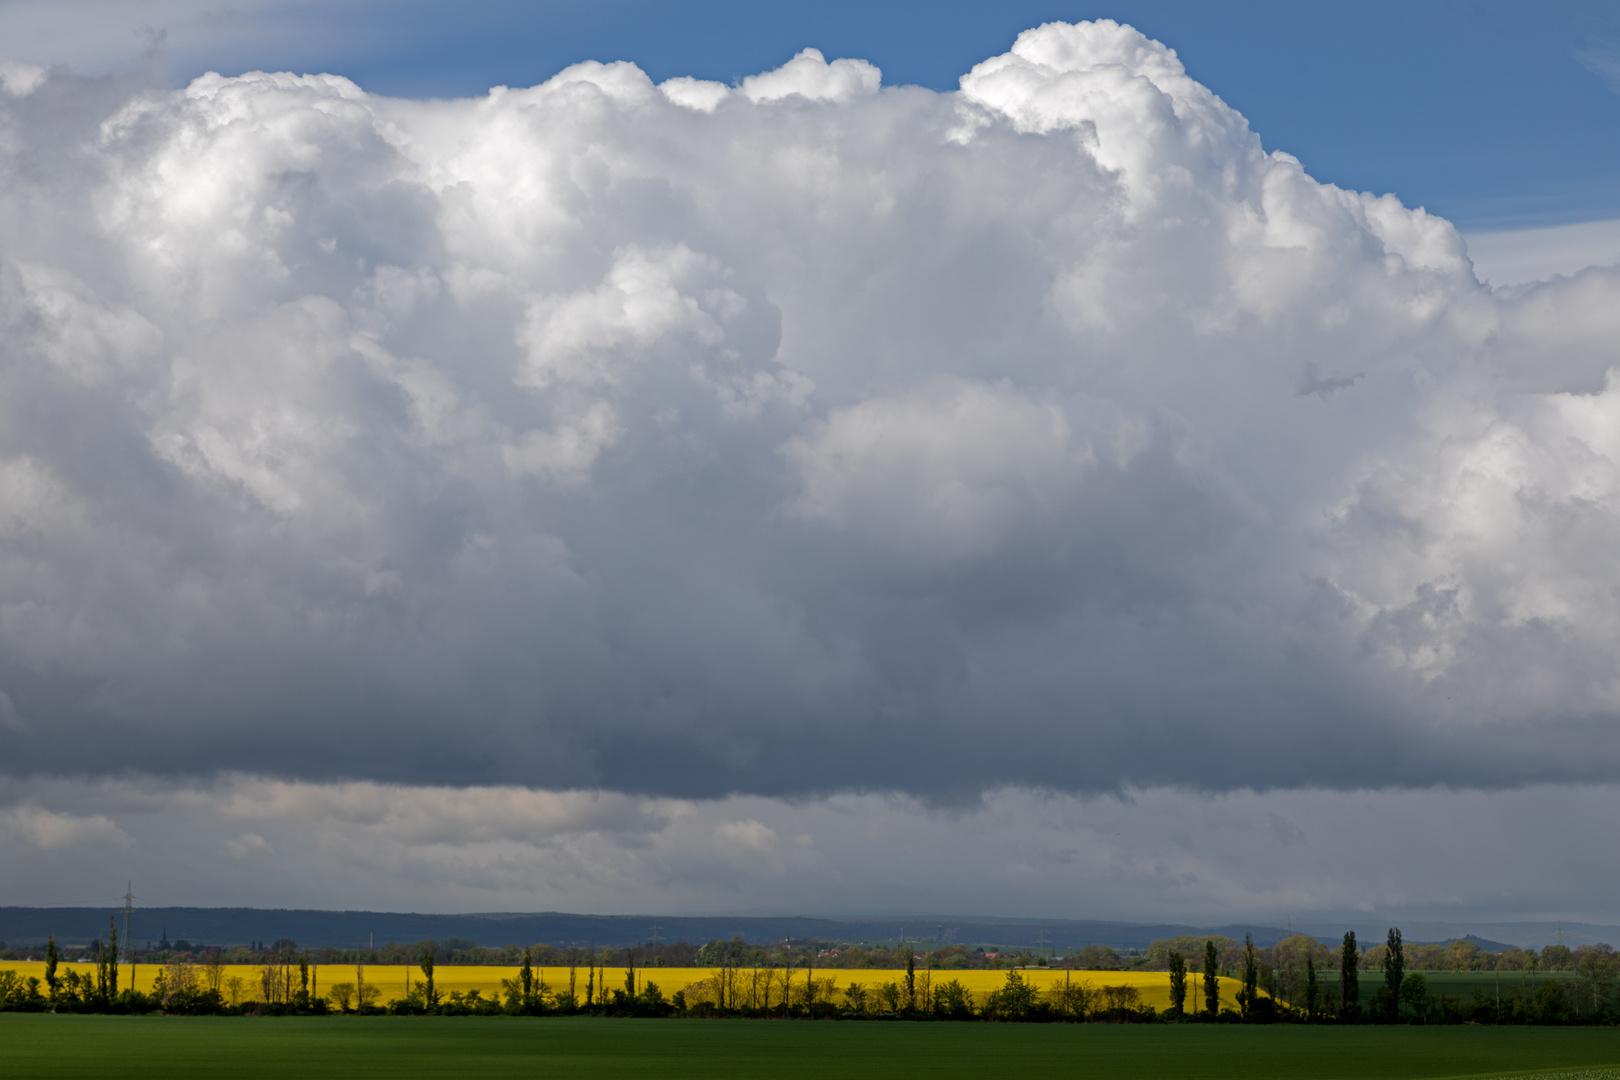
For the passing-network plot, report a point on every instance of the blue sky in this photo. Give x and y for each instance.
(1481, 111)
(1496, 115)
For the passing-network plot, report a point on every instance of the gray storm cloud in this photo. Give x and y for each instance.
(801, 435)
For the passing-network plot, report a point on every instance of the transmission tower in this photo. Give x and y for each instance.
(1040, 940)
(129, 911)
(655, 929)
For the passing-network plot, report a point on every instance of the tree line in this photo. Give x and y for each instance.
(1306, 981)
(1298, 980)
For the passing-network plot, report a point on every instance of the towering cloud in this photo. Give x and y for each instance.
(803, 435)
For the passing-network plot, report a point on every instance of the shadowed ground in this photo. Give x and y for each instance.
(45, 1046)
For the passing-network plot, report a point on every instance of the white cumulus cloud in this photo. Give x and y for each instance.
(807, 435)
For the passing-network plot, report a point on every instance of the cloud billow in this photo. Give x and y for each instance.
(803, 435)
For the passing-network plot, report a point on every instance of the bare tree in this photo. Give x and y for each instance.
(275, 978)
(767, 983)
(215, 968)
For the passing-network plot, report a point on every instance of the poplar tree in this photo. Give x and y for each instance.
(1394, 972)
(526, 979)
(1212, 979)
(112, 958)
(1310, 987)
(1178, 983)
(52, 957)
(1251, 978)
(427, 970)
(911, 979)
(1349, 980)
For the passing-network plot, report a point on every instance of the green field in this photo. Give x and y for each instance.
(43, 1046)
(1463, 983)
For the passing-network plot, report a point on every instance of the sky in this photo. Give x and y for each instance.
(636, 458)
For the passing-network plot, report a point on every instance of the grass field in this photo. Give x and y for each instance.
(1463, 983)
(1154, 986)
(173, 1048)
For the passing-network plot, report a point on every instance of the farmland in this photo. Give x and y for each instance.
(1461, 984)
(177, 1048)
(393, 980)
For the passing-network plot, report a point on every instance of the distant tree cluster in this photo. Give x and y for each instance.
(682, 954)
(1303, 979)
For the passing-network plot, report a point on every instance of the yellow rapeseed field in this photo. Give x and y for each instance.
(393, 980)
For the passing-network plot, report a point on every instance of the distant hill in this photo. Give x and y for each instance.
(23, 926)
(1483, 944)
(235, 926)
(1492, 936)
